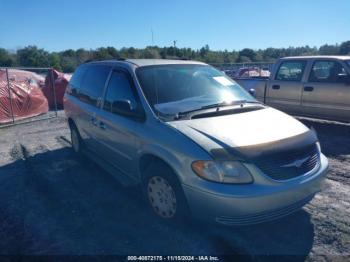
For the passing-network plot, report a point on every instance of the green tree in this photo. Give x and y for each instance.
(247, 53)
(344, 48)
(68, 60)
(5, 58)
(113, 52)
(329, 50)
(204, 51)
(54, 61)
(244, 59)
(151, 52)
(102, 54)
(32, 56)
(68, 64)
(83, 55)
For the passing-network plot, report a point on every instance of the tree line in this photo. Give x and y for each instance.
(68, 60)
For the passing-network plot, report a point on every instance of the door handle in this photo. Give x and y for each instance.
(308, 88)
(276, 87)
(102, 125)
(93, 121)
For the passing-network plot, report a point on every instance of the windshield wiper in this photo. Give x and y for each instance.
(221, 104)
(216, 105)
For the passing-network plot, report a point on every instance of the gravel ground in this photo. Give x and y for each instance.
(53, 202)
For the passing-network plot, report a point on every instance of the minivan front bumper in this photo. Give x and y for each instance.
(251, 204)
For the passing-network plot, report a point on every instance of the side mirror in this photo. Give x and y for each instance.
(343, 78)
(122, 107)
(252, 92)
(125, 107)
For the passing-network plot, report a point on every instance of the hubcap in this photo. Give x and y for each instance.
(162, 197)
(75, 140)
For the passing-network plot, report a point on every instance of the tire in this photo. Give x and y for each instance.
(164, 194)
(77, 144)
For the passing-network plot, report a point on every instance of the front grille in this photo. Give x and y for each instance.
(291, 164)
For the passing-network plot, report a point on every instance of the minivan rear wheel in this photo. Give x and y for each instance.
(76, 140)
(164, 193)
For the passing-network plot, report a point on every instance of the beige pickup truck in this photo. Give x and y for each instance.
(314, 86)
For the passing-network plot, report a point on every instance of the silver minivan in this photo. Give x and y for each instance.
(193, 140)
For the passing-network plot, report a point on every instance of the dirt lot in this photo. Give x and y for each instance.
(52, 202)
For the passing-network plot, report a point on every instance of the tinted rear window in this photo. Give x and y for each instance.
(93, 83)
(77, 77)
(327, 71)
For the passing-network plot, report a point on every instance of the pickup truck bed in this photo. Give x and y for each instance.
(258, 84)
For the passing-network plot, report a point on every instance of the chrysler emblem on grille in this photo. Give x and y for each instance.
(297, 163)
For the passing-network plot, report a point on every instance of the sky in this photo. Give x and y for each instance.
(222, 24)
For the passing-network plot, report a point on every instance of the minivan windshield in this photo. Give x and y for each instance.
(172, 89)
(348, 62)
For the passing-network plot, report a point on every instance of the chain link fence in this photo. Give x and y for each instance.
(246, 70)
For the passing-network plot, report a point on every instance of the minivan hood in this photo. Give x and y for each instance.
(259, 130)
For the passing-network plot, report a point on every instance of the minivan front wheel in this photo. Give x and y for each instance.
(162, 197)
(164, 193)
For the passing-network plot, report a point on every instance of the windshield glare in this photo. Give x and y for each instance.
(171, 89)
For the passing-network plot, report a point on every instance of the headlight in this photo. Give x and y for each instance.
(222, 171)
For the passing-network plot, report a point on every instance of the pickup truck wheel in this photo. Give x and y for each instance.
(76, 140)
(164, 193)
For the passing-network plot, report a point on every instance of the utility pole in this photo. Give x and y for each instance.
(152, 36)
(174, 47)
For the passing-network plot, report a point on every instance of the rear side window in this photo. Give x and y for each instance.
(326, 71)
(93, 83)
(75, 82)
(119, 88)
(291, 71)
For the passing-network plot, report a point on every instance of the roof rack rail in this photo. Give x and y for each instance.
(88, 61)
